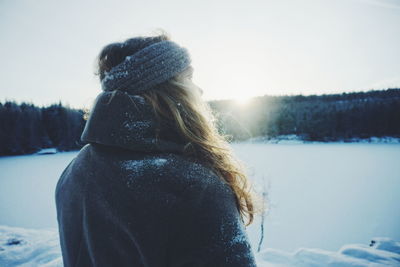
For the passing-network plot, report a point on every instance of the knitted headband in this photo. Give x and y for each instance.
(146, 68)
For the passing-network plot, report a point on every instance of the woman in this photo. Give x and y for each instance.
(156, 185)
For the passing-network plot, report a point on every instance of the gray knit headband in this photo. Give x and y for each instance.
(146, 68)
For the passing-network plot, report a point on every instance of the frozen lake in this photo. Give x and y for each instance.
(321, 195)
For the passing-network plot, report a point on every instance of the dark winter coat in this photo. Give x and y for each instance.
(130, 197)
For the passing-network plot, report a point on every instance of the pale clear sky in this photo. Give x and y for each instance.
(239, 48)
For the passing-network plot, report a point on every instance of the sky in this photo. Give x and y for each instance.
(239, 49)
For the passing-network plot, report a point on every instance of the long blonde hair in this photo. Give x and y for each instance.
(179, 101)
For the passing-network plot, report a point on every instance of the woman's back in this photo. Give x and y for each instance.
(156, 185)
(131, 198)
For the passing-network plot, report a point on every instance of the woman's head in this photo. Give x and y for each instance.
(149, 62)
(115, 53)
(178, 100)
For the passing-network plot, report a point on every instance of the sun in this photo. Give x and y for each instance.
(242, 100)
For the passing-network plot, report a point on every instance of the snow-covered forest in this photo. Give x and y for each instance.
(26, 128)
(332, 117)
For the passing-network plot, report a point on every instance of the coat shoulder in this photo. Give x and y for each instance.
(171, 171)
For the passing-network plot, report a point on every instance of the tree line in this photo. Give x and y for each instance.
(315, 118)
(26, 128)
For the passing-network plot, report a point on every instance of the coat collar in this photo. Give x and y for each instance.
(127, 121)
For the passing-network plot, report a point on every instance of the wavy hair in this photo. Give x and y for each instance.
(179, 101)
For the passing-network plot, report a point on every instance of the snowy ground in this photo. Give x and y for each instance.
(27, 185)
(326, 195)
(321, 196)
(23, 247)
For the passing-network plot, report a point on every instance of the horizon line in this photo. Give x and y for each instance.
(66, 104)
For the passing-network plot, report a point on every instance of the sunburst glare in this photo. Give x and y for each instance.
(242, 100)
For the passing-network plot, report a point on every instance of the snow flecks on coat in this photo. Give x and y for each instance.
(136, 125)
(137, 168)
(136, 165)
(234, 236)
(195, 170)
(239, 236)
(135, 128)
